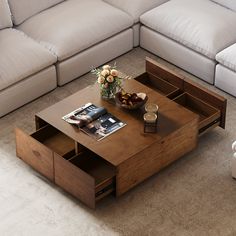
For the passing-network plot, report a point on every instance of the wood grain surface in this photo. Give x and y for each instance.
(129, 140)
(74, 180)
(34, 153)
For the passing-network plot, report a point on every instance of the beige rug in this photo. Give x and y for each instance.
(194, 196)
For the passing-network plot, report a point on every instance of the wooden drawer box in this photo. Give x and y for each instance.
(38, 148)
(86, 176)
(210, 107)
(161, 86)
(53, 154)
(209, 116)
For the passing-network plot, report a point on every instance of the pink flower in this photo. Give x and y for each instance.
(104, 73)
(105, 85)
(106, 67)
(110, 78)
(101, 79)
(114, 72)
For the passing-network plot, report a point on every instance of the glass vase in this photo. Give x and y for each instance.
(108, 93)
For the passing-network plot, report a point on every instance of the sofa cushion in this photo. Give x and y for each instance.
(5, 15)
(24, 9)
(135, 8)
(201, 25)
(231, 4)
(20, 57)
(227, 57)
(75, 25)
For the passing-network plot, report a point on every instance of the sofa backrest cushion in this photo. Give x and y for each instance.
(231, 4)
(5, 15)
(136, 8)
(24, 9)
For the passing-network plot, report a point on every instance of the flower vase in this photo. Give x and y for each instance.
(108, 80)
(108, 93)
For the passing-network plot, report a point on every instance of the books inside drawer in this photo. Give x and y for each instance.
(209, 116)
(161, 86)
(86, 176)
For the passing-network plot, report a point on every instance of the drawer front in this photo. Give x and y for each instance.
(209, 97)
(164, 73)
(35, 154)
(209, 116)
(74, 180)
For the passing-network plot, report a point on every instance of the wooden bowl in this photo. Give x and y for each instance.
(135, 105)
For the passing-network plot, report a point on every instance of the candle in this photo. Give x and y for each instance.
(151, 107)
(150, 117)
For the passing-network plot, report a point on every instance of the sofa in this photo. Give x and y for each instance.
(48, 43)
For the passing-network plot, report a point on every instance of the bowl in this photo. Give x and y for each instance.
(130, 101)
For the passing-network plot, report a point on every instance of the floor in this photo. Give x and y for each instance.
(194, 196)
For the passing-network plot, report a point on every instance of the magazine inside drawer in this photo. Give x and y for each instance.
(54, 139)
(209, 116)
(161, 86)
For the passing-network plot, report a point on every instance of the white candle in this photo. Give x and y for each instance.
(151, 107)
(150, 117)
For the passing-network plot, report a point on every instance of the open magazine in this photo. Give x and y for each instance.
(94, 121)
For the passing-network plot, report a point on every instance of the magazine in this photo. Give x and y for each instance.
(94, 121)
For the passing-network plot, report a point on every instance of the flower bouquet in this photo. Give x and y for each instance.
(108, 80)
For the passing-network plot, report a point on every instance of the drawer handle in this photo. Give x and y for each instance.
(36, 153)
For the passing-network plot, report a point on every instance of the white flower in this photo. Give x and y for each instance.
(110, 78)
(114, 72)
(101, 79)
(106, 67)
(104, 73)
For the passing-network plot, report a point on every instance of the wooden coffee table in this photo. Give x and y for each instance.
(90, 169)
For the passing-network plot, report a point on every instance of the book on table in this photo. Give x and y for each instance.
(94, 121)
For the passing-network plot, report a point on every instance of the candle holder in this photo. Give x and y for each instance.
(150, 122)
(151, 107)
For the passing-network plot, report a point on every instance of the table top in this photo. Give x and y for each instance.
(129, 140)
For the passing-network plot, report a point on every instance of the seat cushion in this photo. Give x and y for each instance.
(20, 57)
(5, 15)
(201, 25)
(75, 25)
(24, 9)
(135, 8)
(227, 57)
(231, 4)
(225, 79)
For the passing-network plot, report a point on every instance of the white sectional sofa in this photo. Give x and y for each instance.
(225, 77)
(51, 42)
(189, 34)
(79, 34)
(26, 68)
(135, 9)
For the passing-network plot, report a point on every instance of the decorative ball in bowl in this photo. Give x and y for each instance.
(130, 101)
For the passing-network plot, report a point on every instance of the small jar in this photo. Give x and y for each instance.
(151, 107)
(150, 122)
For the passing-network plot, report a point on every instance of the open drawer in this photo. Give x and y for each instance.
(86, 176)
(212, 113)
(209, 116)
(38, 149)
(161, 86)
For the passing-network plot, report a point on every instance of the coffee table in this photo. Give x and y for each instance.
(90, 169)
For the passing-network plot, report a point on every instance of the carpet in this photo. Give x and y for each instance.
(196, 195)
